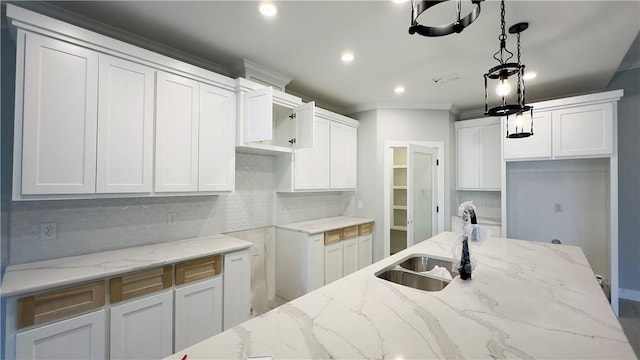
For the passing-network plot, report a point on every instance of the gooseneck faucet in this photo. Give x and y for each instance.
(468, 215)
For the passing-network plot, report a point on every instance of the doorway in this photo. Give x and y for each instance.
(414, 193)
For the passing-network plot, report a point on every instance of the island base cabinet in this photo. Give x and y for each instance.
(143, 328)
(81, 337)
(198, 312)
(237, 288)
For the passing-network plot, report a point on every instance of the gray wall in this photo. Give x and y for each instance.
(382, 125)
(628, 177)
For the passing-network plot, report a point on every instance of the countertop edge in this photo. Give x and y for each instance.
(13, 270)
(321, 227)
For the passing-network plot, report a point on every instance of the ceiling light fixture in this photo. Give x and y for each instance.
(268, 9)
(399, 89)
(529, 75)
(502, 73)
(347, 56)
(419, 7)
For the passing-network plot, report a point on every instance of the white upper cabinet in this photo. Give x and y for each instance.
(98, 118)
(176, 133)
(478, 154)
(536, 146)
(344, 147)
(272, 122)
(585, 130)
(125, 127)
(576, 127)
(56, 144)
(217, 154)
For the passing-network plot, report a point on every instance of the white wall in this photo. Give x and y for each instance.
(397, 125)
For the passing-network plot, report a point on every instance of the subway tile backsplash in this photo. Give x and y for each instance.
(87, 226)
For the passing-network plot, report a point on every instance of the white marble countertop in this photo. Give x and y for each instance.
(525, 300)
(325, 224)
(42, 275)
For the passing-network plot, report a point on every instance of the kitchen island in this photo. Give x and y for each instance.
(525, 300)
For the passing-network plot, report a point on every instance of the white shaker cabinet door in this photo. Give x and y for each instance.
(315, 262)
(333, 262)
(59, 117)
(536, 146)
(217, 155)
(237, 288)
(258, 115)
(344, 147)
(125, 127)
(365, 250)
(349, 256)
(143, 328)
(583, 131)
(198, 312)
(81, 337)
(176, 133)
(311, 165)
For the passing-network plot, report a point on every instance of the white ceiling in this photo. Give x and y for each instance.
(574, 46)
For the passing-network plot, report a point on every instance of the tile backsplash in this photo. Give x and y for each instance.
(487, 203)
(87, 226)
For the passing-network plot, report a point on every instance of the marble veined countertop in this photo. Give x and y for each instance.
(325, 224)
(42, 275)
(525, 300)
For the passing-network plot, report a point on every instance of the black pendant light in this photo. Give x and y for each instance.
(520, 125)
(418, 7)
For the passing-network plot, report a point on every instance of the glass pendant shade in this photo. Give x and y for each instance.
(520, 124)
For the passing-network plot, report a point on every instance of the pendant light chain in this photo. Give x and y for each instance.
(502, 38)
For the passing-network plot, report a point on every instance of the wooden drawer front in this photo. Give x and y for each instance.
(53, 305)
(139, 284)
(199, 269)
(365, 229)
(350, 233)
(332, 237)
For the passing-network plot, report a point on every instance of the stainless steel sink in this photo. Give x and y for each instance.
(409, 272)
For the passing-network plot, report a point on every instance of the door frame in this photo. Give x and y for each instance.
(439, 146)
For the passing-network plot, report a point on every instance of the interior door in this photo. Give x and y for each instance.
(422, 196)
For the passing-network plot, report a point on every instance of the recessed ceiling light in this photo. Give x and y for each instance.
(347, 56)
(529, 75)
(399, 89)
(399, 1)
(268, 9)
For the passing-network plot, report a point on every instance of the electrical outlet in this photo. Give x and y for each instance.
(171, 218)
(359, 204)
(48, 231)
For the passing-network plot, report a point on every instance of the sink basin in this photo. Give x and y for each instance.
(408, 272)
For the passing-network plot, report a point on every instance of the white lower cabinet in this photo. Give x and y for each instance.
(198, 312)
(237, 288)
(80, 337)
(299, 263)
(142, 328)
